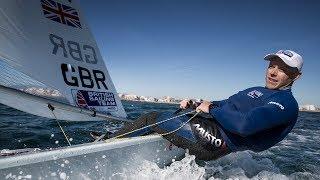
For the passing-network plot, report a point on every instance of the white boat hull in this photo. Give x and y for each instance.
(91, 160)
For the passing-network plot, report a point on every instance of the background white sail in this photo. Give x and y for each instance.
(49, 41)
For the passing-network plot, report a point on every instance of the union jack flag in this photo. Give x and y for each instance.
(60, 13)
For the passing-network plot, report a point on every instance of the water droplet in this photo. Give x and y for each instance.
(63, 175)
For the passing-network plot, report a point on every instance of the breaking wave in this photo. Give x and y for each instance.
(240, 166)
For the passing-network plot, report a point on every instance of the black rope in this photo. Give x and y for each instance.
(50, 107)
(94, 113)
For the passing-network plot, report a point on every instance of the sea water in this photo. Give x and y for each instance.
(296, 157)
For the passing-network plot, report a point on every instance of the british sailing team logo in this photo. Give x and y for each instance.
(60, 13)
(94, 100)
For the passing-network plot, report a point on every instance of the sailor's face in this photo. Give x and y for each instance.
(279, 75)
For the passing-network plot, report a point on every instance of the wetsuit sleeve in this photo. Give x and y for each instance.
(260, 118)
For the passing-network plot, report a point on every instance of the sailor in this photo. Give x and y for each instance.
(253, 119)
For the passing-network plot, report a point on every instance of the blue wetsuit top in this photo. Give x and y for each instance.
(256, 118)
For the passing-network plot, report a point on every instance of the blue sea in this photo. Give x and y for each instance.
(296, 157)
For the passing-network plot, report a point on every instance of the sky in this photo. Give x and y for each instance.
(208, 49)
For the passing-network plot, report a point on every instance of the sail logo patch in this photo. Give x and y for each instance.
(60, 13)
(89, 99)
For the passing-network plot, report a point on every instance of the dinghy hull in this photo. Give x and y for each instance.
(92, 160)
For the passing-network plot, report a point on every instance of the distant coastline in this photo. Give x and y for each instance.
(302, 110)
(151, 101)
(133, 97)
(171, 100)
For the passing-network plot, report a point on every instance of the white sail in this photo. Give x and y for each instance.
(50, 42)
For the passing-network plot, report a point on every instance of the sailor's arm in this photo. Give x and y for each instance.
(187, 103)
(260, 118)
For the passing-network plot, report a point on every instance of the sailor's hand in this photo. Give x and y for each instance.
(204, 107)
(185, 104)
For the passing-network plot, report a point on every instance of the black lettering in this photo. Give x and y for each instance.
(101, 78)
(87, 57)
(74, 50)
(64, 69)
(57, 42)
(86, 77)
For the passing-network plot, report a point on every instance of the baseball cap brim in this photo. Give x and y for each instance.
(271, 57)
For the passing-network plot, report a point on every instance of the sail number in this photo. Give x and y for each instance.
(76, 75)
(87, 79)
(76, 51)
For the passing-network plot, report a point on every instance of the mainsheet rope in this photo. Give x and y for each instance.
(164, 134)
(130, 132)
(65, 135)
(157, 123)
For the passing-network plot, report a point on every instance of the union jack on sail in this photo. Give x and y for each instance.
(60, 13)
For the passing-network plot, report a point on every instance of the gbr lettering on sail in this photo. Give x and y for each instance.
(78, 76)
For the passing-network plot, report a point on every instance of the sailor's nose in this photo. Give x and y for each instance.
(274, 71)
